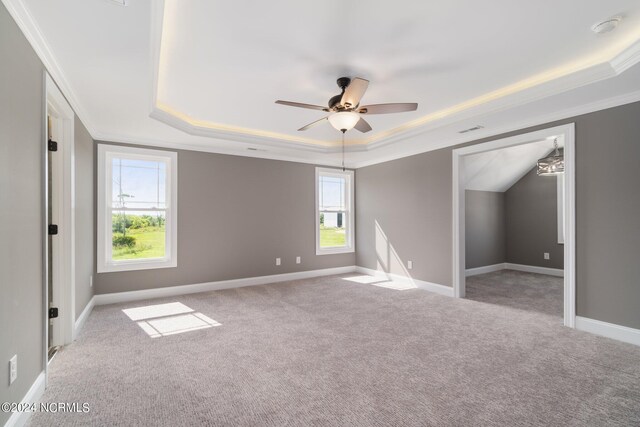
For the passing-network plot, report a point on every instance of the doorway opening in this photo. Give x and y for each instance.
(59, 304)
(499, 203)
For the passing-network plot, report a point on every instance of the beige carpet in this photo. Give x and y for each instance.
(524, 291)
(331, 351)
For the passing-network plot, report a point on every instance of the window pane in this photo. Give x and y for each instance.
(332, 193)
(332, 229)
(137, 235)
(138, 183)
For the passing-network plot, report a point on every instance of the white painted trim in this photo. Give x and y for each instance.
(405, 280)
(569, 154)
(18, 419)
(350, 213)
(560, 207)
(417, 148)
(170, 291)
(63, 189)
(535, 269)
(609, 330)
(170, 158)
(27, 24)
(568, 133)
(484, 269)
(518, 267)
(83, 317)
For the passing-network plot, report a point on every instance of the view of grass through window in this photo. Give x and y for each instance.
(332, 235)
(138, 236)
(138, 209)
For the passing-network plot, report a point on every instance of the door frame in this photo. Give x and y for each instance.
(568, 133)
(63, 188)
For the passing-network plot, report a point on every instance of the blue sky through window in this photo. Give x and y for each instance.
(332, 193)
(142, 183)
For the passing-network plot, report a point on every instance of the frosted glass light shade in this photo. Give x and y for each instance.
(344, 120)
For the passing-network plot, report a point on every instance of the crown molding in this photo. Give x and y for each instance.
(539, 120)
(302, 157)
(34, 36)
(627, 58)
(415, 148)
(262, 139)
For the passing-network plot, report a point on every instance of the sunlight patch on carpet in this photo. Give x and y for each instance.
(169, 319)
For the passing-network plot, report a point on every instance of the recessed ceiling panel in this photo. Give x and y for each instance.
(227, 62)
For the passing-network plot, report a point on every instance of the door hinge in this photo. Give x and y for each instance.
(53, 229)
(53, 312)
(52, 145)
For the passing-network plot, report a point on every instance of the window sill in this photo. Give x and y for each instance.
(334, 251)
(138, 265)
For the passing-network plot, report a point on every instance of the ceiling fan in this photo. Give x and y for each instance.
(345, 110)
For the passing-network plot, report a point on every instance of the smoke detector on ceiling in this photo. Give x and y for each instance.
(120, 2)
(607, 25)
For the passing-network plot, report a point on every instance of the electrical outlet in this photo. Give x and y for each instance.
(409, 265)
(13, 369)
(278, 261)
(91, 281)
(297, 260)
(546, 255)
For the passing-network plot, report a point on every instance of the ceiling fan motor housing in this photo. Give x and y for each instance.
(334, 102)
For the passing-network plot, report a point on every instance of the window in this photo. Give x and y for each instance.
(137, 209)
(334, 211)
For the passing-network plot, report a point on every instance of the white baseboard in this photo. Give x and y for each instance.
(171, 291)
(518, 267)
(609, 330)
(18, 419)
(83, 317)
(420, 284)
(533, 269)
(484, 269)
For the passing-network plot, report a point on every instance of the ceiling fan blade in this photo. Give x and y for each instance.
(388, 108)
(362, 125)
(301, 105)
(312, 124)
(354, 92)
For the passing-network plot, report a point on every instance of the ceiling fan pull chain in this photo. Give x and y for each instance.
(343, 132)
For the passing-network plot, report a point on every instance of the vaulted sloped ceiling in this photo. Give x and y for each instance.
(498, 170)
(205, 74)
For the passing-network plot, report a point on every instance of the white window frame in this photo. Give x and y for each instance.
(349, 220)
(105, 153)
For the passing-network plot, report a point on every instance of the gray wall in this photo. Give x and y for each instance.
(21, 153)
(608, 215)
(84, 242)
(403, 212)
(21, 211)
(532, 222)
(485, 228)
(411, 197)
(235, 216)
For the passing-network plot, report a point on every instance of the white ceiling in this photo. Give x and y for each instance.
(204, 75)
(498, 170)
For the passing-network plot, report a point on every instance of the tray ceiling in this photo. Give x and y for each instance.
(205, 75)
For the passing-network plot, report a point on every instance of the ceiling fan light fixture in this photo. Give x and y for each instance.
(553, 164)
(344, 120)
